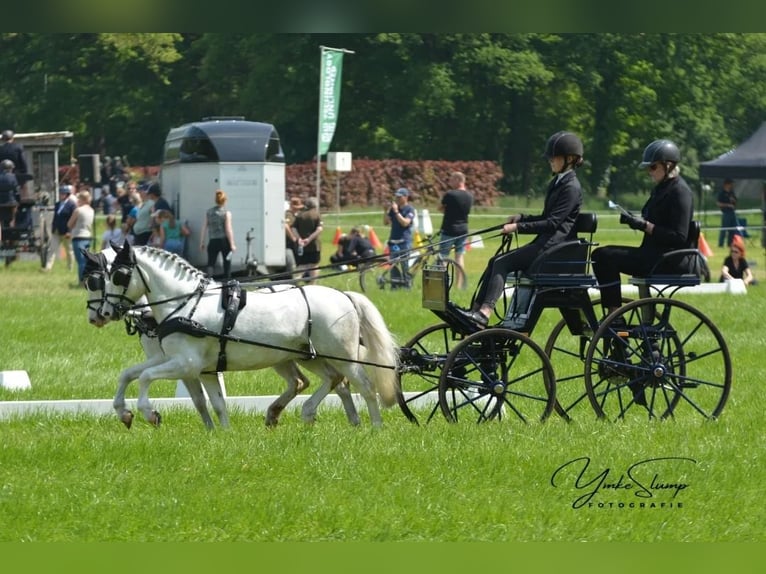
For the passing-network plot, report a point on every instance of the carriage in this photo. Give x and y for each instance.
(26, 229)
(27, 233)
(654, 357)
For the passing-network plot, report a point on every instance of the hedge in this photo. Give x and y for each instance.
(373, 182)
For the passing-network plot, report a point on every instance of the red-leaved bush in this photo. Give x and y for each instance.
(373, 182)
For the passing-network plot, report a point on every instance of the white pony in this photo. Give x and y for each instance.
(96, 269)
(141, 322)
(334, 334)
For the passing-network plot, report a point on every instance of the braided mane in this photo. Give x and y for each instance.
(172, 258)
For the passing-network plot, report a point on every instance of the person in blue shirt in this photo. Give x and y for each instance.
(400, 215)
(60, 233)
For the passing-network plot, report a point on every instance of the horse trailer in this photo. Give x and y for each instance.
(246, 161)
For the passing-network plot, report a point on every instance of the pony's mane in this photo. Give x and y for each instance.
(167, 256)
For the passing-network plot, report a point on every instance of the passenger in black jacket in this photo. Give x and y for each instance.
(9, 188)
(664, 224)
(13, 151)
(564, 152)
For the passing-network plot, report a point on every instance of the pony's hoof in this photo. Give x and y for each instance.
(127, 418)
(155, 419)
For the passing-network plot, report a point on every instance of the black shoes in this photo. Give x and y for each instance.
(475, 317)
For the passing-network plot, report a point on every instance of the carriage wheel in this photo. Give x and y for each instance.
(497, 373)
(422, 360)
(657, 358)
(567, 352)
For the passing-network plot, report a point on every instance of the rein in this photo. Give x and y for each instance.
(197, 329)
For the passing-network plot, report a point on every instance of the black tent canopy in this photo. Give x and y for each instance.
(747, 161)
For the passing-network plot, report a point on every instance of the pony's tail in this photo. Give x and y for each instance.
(381, 348)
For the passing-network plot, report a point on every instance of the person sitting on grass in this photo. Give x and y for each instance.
(735, 266)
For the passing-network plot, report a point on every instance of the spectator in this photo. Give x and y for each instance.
(60, 234)
(735, 266)
(564, 152)
(113, 233)
(124, 200)
(308, 227)
(81, 227)
(400, 215)
(291, 239)
(142, 228)
(155, 194)
(171, 233)
(352, 248)
(130, 219)
(456, 205)
(217, 224)
(108, 181)
(727, 203)
(663, 224)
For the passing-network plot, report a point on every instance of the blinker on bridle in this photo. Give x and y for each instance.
(121, 276)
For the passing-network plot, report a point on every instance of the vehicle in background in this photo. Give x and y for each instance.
(245, 160)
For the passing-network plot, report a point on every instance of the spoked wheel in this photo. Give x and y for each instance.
(657, 358)
(567, 352)
(383, 276)
(422, 361)
(495, 374)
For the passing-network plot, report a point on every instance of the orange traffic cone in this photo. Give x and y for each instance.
(704, 247)
(374, 241)
(338, 233)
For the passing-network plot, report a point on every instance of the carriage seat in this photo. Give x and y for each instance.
(566, 264)
(678, 268)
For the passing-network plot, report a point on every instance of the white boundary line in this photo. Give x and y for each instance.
(250, 404)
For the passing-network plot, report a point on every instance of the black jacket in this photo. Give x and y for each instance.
(562, 206)
(670, 208)
(8, 188)
(61, 215)
(15, 153)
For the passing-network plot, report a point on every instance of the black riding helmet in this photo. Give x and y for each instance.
(563, 143)
(660, 150)
(7, 165)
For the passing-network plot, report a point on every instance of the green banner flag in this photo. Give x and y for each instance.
(329, 97)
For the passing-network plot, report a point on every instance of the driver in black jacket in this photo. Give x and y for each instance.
(564, 152)
(664, 224)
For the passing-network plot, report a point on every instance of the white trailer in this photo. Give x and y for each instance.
(245, 160)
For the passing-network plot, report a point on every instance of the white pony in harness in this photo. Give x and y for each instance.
(334, 334)
(96, 268)
(141, 322)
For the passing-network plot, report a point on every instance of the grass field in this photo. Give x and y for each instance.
(87, 478)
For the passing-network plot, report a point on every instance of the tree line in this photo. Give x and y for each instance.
(450, 97)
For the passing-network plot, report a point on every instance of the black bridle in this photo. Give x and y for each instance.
(121, 276)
